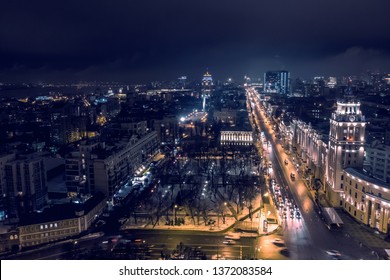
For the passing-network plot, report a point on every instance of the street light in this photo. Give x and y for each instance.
(175, 214)
(223, 212)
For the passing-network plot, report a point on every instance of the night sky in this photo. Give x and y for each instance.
(140, 41)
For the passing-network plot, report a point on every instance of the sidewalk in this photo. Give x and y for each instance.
(218, 225)
(361, 233)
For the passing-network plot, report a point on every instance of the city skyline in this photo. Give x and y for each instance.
(142, 42)
(195, 130)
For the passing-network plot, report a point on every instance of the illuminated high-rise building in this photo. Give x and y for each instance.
(332, 82)
(182, 81)
(207, 87)
(277, 82)
(346, 146)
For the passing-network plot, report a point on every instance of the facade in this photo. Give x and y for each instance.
(277, 82)
(225, 116)
(378, 161)
(311, 148)
(77, 169)
(366, 199)
(26, 186)
(339, 162)
(236, 137)
(60, 221)
(238, 133)
(4, 159)
(9, 239)
(99, 167)
(346, 146)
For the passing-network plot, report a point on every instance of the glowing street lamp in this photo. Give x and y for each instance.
(175, 214)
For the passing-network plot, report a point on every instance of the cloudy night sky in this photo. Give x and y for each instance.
(140, 41)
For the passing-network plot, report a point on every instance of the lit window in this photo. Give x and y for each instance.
(41, 227)
(55, 225)
(45, 226)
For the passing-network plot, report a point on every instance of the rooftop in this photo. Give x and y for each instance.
(62, 211)
(364, 176)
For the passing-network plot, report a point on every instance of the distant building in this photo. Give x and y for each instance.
(332, 82)
(378, 161)
(182, 81)
(387, 136)
(238, 133)
(207, 88)
(277, 82)
(236, 136)
(225, 116)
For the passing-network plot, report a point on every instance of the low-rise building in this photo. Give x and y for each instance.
(366, 199)
(60, 221)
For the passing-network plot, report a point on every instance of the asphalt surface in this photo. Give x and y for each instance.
(307, 238)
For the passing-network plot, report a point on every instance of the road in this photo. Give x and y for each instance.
(159, 241)
(307, 238)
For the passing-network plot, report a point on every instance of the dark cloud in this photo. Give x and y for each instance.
(148, 40)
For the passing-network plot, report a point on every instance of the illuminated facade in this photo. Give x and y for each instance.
(332, 82)
(60, 221)
(340, 163)
(346, 146)
(239, 137)
(310, 148)
(207, 87)
(366, 199)
(277, 82)
(99, 167)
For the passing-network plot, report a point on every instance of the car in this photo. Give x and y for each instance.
(285, 161)
(100, 223)
(292, 176)
(232, 236)
(229, 242)
(291, 214)
(297, 215)
(333, 253)
(278, 241)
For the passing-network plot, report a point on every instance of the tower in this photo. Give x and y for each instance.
(207, 87)
(277, 82)
(346, 145)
